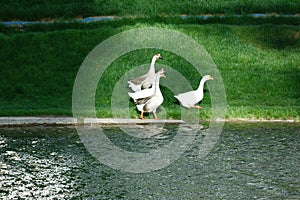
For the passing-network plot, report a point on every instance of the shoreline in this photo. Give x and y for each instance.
(70, 121)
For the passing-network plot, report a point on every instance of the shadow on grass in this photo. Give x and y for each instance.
(279, 39)
(272, 36)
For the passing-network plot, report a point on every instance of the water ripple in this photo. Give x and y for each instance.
(250, 161)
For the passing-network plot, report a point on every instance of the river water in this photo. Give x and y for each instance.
(249, 161)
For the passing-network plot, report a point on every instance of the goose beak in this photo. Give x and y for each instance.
(164, 74)
(160, 57)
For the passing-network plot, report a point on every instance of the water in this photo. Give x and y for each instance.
(250, 161)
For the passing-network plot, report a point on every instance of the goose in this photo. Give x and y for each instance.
(151, 103)
(144, 81)
(143, 93)
(191, 98)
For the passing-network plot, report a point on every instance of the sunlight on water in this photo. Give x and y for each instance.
(249, 161)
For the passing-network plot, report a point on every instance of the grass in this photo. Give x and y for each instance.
(70, 9)
(259, 65)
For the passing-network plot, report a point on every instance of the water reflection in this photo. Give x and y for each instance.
(145, 131)
(119, 150)
(250, 161)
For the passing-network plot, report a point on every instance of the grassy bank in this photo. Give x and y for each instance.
(50, 9)
(259, 65)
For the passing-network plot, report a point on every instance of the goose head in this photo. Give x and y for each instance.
(157, 56)
(207, 77)
(162, 73)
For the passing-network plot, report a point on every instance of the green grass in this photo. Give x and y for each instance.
(259, 65)
(67, 9)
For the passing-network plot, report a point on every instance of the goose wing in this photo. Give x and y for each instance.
(143, 100)
(140, 83)
(142, 93)
(138, 80)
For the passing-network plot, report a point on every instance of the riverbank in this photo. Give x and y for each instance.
(70, 121)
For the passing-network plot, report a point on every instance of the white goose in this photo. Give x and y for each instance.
(143, 93)
(190, 99)
(152, 102)
(144, 81)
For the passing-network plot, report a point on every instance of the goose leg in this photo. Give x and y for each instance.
(142, 115)
(155, 116)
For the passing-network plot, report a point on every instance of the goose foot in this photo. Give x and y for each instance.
(198, 107)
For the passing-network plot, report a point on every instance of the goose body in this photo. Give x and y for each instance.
(143, 93)
(151, 102)
(144, 81)
(191, 98)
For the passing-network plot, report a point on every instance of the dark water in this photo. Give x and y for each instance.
(250, 161)
(109, 18)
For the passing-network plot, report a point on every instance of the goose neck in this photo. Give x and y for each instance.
(201, 85)
(156, 86)
(157, 77)
(152, 69)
